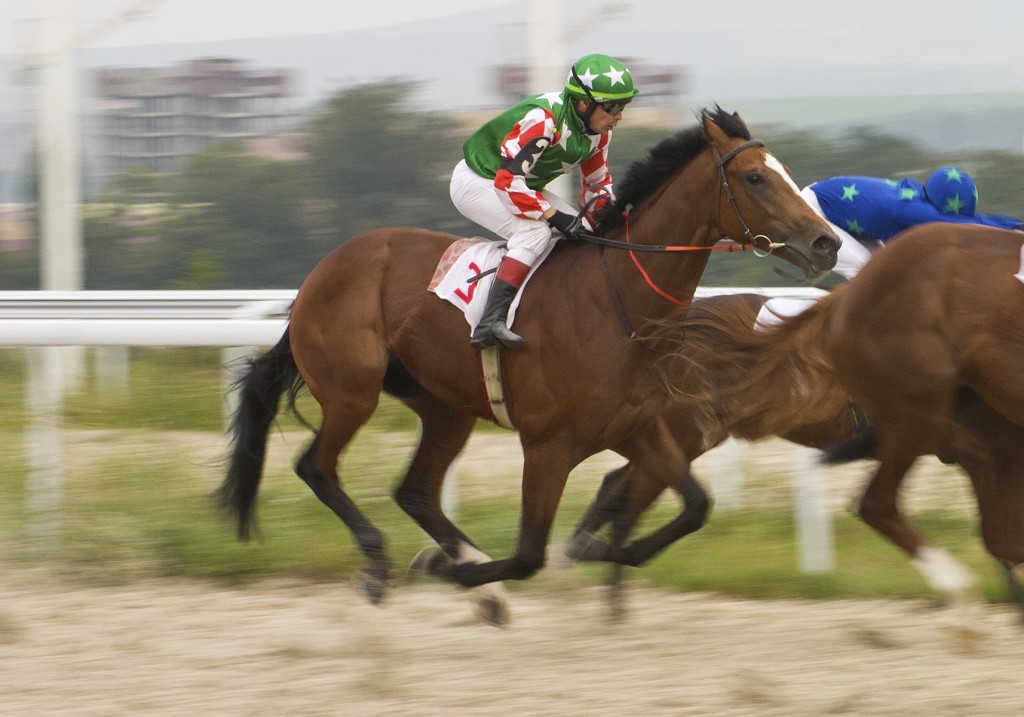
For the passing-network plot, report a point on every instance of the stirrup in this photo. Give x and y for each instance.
(487, 335)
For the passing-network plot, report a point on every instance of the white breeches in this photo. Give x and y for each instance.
(476, 199)
(852, 254)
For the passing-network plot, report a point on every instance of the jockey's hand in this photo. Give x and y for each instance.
(569, 225)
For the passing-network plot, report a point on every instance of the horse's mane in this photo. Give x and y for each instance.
(754, 383)
(666, 158)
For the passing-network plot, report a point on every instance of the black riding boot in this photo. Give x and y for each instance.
(492, 327)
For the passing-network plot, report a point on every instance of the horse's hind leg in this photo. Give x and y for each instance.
(444, 434)
(943, 572)
(318, 467)
(996, 468)
(879, 509)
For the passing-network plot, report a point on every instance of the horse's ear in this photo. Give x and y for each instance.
(715, 134)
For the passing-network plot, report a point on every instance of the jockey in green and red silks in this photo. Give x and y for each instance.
(509, 161)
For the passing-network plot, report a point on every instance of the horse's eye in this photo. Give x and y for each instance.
(754, 177)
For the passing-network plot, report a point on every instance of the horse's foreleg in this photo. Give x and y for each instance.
(444, 434)
(658, 462)
(624, 495)
(642, 492)
(545, 471)
(696, 507)
(609, 502)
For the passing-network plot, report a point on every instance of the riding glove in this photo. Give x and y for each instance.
(568, 224)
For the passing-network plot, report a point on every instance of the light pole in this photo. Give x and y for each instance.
(61, 252)
(61, 265)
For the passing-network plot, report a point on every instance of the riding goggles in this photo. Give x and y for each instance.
(613, 108)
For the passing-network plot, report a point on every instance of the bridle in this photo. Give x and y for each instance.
(723, 183)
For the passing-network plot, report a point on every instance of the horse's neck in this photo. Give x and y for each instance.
(675, 273)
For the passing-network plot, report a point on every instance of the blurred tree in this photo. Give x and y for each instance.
(382, 162)
(137, 184)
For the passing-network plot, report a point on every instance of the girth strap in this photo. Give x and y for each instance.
(490, 365)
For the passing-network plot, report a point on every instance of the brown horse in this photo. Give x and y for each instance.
(701, 420)
(927, 339)
(363, 322)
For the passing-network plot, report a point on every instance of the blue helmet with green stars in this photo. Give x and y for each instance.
(952, 191)
(600, 78)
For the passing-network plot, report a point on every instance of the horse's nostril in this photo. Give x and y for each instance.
(826, 243)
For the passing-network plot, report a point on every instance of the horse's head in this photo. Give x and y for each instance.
(759, 204)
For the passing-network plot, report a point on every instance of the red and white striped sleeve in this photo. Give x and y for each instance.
(519, 151)
(596, 178)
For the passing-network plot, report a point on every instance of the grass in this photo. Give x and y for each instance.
(141, 463)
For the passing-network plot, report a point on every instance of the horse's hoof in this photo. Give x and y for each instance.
(373, 586)
(493, 610)
(430, 561)
(586, 546)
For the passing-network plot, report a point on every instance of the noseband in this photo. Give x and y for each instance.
(720, 163)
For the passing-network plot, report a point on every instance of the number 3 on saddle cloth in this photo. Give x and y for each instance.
(465, 260)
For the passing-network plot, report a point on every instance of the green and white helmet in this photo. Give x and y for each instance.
(600, 78)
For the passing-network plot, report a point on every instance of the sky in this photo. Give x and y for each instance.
(174, 21)
(777, 48)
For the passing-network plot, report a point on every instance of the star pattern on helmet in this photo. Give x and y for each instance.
(953, 175)
(849, 192)
(587, 77)
(615, 76)
(953, 205)
(854, 227)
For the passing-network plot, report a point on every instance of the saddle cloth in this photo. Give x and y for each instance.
(466, 259)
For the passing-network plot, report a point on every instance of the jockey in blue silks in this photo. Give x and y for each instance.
(866, 211)
(873, 210)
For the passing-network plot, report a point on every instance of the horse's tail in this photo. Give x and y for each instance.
(260, 390)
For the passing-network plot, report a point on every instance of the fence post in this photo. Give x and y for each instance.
(44, 446)
(723, 466)
(813, 519)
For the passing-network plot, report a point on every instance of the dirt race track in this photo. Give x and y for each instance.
(186, 648)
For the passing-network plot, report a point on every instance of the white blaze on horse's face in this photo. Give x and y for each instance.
(775, 164)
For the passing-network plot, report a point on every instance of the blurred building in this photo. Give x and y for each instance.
(155, 117)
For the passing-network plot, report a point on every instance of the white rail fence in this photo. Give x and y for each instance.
(55, 327)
